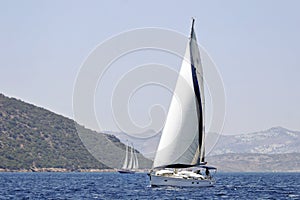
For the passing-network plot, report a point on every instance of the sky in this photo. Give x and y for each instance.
(255, 45)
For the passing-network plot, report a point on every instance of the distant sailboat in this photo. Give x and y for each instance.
(133, 164)
(180, 157)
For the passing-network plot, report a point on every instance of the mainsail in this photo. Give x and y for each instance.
(182, 140)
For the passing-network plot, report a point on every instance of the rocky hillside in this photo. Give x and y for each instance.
(32, 137)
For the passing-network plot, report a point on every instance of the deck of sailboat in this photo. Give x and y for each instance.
(182, 177)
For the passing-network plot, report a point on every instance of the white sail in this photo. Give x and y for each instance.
(130, 165)
(182, 136)
(135, 160)
(126, 158)
(133, 157)
(133, 163)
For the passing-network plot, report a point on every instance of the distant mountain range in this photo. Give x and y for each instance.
(33, 138)
(277, 140)
(276, 149)
(254, 162)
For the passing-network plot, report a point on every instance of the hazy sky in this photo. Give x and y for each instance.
(255, 45)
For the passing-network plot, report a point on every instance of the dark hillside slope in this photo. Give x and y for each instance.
(32, 137)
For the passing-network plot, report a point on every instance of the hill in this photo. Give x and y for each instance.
(32, 138)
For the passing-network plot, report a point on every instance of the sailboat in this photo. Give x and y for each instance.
(180, 157)
(133, 164)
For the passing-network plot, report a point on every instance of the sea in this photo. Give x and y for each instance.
(80, 185)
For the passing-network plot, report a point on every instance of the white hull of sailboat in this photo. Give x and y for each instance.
(179, 182)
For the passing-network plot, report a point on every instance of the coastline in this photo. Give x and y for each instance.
(53, 169)
(64, 170)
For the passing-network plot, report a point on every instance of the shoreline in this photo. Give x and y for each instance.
(53, 169)
(64, 170)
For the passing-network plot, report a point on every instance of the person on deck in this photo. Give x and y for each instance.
(207, 173)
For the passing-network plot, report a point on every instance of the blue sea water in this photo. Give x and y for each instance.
(136, 186)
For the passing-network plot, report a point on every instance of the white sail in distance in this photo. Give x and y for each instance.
(132, 158)
(126, 158)
(182, 140)
(135, 160)
(130, 165)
